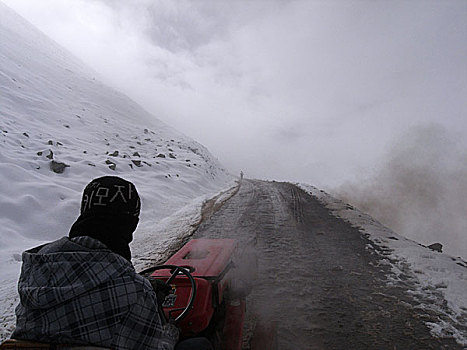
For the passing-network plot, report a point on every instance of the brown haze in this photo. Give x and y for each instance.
(421, 190)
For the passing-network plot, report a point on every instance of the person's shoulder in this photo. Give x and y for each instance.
(137, 290)
(131, 276)
(141, 281)
(52, 246)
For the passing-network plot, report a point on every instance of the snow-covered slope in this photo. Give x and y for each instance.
(59, 128)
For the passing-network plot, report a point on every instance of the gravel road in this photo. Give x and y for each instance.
(316, 276)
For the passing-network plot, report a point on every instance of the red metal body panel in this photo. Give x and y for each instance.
(233, 327)
(198, 319)
(207, 258)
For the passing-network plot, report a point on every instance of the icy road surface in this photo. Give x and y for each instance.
(316, 277)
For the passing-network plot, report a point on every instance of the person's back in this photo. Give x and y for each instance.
(79, 292)
(83, 289)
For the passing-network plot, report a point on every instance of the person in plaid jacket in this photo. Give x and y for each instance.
(83, 289)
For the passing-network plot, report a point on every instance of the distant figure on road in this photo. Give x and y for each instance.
(83, 289)
(241, 175)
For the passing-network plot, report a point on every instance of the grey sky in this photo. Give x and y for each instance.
(311, 91)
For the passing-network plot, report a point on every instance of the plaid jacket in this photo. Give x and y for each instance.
(79, 292)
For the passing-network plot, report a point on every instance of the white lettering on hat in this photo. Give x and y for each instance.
(129, 192)
(85, 201)
(90, 200)
(119, 191)
(101, 193)
(138, 205)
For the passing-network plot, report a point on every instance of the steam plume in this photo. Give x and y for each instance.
(421, 190)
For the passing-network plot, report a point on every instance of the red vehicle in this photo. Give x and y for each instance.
(203, 303)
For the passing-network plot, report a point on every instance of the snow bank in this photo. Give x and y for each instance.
(441, 280)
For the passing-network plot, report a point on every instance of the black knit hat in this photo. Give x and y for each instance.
(110, 195)
(109, 213)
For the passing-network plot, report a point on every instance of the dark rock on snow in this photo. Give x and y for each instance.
(58, 167)
(111, 164)
(438, 247)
